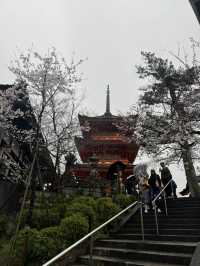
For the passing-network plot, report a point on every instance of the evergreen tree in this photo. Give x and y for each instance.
(166, 121)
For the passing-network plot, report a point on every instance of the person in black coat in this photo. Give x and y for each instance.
(154, 183)
(165, 178)
(130, 185)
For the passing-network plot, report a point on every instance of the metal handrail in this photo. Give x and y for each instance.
(88, 235)
(165, 202)
(161, 191)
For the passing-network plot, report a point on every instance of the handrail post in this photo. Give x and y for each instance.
(165, 202)
(91, 250)
(142, 221)
(172, 188)
(156, 218)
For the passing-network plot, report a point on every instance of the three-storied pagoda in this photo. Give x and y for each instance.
(102, 138)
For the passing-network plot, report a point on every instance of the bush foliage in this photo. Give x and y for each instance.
(58, 226)
(106, 208)
(3, 224)
(123, 201)
(85, 210)
(73, 228)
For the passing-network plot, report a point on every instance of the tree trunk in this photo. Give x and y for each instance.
(32, 201)
(35, 174)
(190, 172)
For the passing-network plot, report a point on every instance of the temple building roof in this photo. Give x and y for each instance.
(101, 136)
(102, 125)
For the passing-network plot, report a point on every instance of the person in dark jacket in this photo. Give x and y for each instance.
(130, 185)
(165, 178)
(154, 183)
(185, 191)
(174, 187)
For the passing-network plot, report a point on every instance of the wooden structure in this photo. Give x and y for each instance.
(16, 156)
(102, 138)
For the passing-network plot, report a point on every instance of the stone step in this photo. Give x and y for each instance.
(174, 215)
(78, 264)
(184, 209)
(164, 220)
(194, 214)
(179, 204)
(172, 212)
(179, 233)
(164, 225)
(163, 231)
(186, 238)
(181, 207)
(189, 199)
(175, 202)
(183, 200)
(145, 255)
(147, 245)
(111, 261)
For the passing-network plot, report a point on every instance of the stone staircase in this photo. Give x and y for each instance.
(179, 234)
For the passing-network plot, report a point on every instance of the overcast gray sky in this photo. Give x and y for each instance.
(110, 33)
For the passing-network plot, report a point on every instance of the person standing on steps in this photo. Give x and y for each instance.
(145, 192)
(174, 187)
(140, 172)
(185, 191)
(155, 185)
(130, 185)
(165, 178)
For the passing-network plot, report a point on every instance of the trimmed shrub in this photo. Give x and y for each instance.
(5, 259)
(106, 209)
(51, 241)
(61, 209)
(45, 218)
(89, 201)
(42, 218)
(73, 228)
(85, 210)
(59, 198)
(34, 247)
(4, 220)
(123, 200)
(22, 253)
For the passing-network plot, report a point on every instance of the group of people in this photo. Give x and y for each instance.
(150, 186)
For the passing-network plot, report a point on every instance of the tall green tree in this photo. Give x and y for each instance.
(166, 121)
(170, 105)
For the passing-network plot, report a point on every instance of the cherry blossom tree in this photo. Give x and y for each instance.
(166, 121)
(49, 85)
(59, 127)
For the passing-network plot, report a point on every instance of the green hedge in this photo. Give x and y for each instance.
(73, 228)
(83, 209)
(52, 233)
(35, 247)
(4, 220)
(123, 200)
(106, 209)
(89, 201)
(42, 218)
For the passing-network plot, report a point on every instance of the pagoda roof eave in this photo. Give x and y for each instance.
(80, 141)
(84, 118)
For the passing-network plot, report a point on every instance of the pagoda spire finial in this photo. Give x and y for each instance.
(108, 101)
